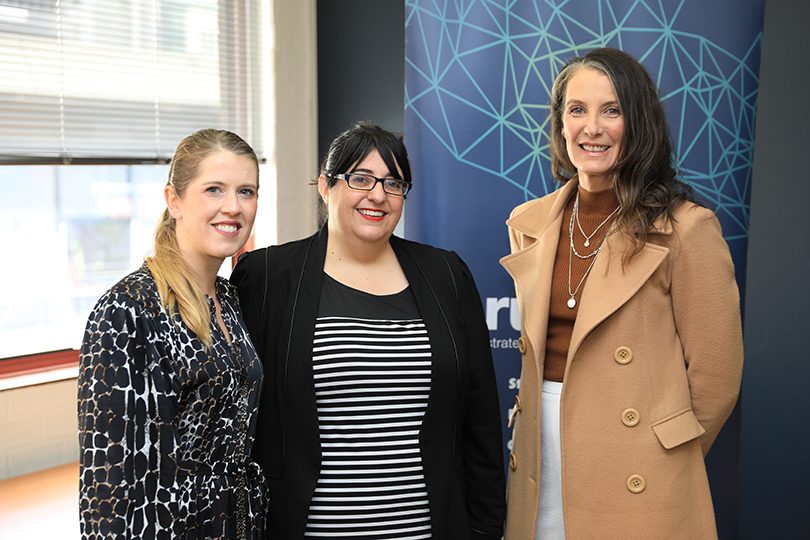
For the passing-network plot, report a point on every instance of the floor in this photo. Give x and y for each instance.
(41, 505)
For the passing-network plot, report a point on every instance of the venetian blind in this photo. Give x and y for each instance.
(125, 79)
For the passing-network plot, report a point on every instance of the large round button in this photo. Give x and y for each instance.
(636, 483)
(521, 345)
(512, 461)
(631, 417)
(623, 355)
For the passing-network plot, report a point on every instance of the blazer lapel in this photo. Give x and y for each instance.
(301, 414)
(423, 281)
(305, 311)
(609, 285)
(532, 267)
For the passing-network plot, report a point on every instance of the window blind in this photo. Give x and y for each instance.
(125, 80)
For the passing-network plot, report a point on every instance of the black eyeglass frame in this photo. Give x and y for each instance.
(345, 176)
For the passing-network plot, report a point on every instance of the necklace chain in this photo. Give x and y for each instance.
(572, 301)
(579, 224)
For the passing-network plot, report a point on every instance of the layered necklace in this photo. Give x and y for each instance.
(572, 301)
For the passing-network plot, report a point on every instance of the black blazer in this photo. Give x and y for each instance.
(460, 441)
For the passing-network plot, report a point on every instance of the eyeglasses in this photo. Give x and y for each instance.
(366, 182)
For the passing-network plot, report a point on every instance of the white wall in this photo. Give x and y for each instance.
(38, 427)
(295, 106)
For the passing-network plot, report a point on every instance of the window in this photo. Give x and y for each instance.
(70, 232)
(125, 79)
(94, 97)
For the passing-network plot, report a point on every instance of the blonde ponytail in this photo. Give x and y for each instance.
(179, 292)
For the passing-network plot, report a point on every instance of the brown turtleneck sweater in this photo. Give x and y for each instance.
(594, 207)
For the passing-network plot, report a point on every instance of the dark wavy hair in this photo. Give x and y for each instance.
(353, 145)
(646, 183)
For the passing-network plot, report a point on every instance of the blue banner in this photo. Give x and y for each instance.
(477, 83)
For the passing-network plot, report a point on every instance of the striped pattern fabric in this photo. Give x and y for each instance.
(372, 381)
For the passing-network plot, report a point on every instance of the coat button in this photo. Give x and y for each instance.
(623, 355)
(512, 461)
(521, 345)
(636, 483)
(631, 417)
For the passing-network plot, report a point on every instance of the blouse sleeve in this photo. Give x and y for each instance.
(483, 436)
(706, 306)
(126, 440)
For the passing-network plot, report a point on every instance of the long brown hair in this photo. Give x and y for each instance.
(179, 293)
(646, 183)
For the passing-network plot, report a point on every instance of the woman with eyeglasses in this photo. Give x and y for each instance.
(380, 418)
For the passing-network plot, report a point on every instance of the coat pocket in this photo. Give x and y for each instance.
(677, 429)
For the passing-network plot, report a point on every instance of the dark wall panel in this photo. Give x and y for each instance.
(775, 440)
(361, 65)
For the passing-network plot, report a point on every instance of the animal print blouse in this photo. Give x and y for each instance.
(166, 427)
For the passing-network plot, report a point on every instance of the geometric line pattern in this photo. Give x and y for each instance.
(479, 73)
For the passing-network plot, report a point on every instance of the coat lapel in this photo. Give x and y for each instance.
(609, 285)
(532, 266)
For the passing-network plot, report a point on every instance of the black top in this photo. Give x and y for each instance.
(339, 299)
(371, 359)
(461, 437)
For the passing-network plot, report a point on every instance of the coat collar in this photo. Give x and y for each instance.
(532, 218)
(535, 229)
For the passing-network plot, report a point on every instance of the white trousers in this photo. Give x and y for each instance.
(550, 525)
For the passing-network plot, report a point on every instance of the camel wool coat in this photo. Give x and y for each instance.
(653, 372)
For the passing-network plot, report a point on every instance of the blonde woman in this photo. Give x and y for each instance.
(169, 380)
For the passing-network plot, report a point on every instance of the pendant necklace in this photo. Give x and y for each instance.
(572, 301)
(579, 225)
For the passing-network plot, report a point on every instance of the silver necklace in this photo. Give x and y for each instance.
(579, 225)
(572, 301)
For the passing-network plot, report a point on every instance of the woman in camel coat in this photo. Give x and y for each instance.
(652, 368)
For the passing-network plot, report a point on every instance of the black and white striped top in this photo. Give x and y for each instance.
(372, 365)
